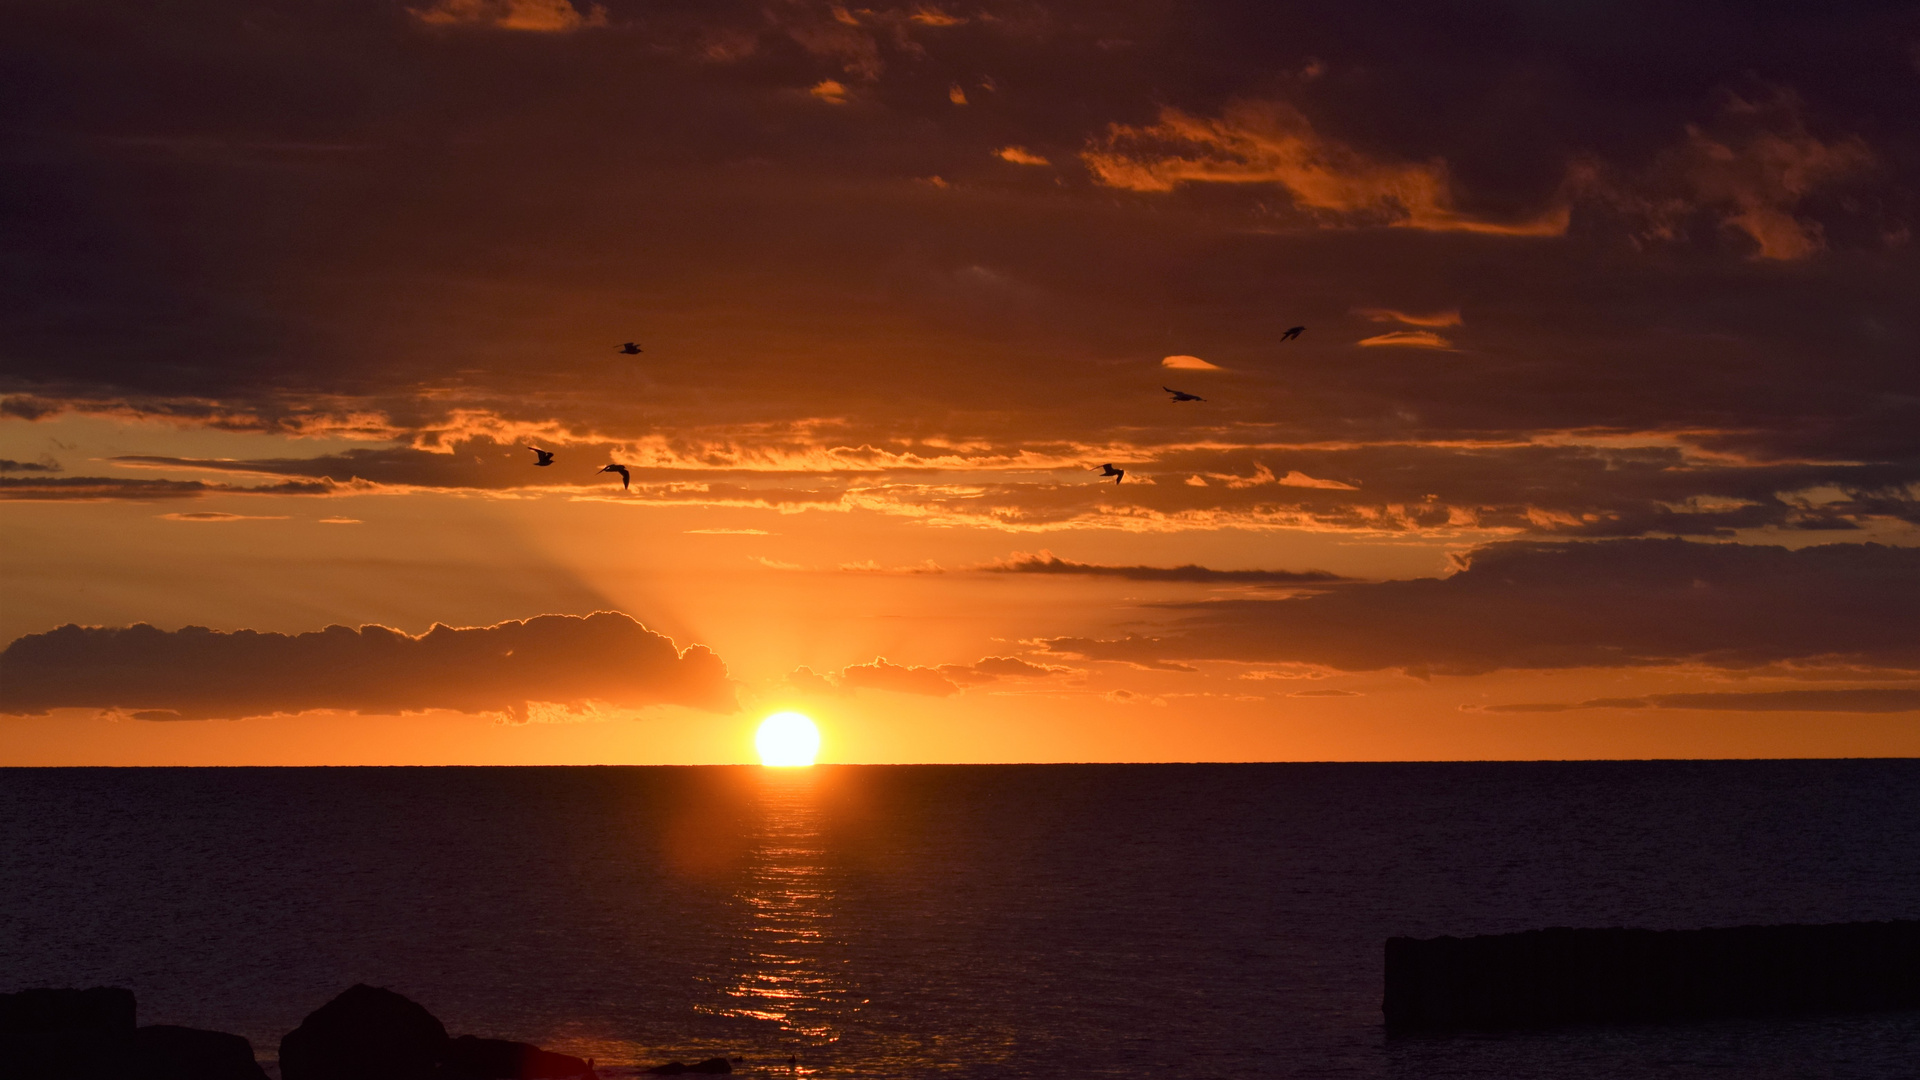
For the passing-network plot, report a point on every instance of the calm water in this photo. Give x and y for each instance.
(986, 921)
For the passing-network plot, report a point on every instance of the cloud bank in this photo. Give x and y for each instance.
(1611, 604)
(506, 669)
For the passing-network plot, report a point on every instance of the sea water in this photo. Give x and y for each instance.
(945, 921)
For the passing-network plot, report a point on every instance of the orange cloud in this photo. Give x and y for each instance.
(1436, 320)
(943, 681)
(212, 515)
(831, 91)
(1419, 339)
(1273, 143)
(1188, 363)
(1296, 478)
(1020, 155)
(539, 16)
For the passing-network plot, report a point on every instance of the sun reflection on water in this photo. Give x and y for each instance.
(793, 970)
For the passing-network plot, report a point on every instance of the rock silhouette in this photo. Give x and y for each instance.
(676, 1068)
(1563, 976)
(472, 1058)
(164, 1052)
(367, 1033)
(90, 1035)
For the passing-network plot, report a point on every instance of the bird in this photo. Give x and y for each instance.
(1182, 395)
(630, 349)
(1109, 470)
(1293, 332)
(625, 477)
(546, 456)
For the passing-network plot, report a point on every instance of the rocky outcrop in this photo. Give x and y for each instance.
(1564, 976)
(90, 1035)
(164, 1052)
(472, 1058)
(367, 1033)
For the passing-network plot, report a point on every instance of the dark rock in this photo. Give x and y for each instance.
(163, 1052)
(64, 1034)
(471, 1058)
(367, 1033)
(41, 1012)
(1563, 976)
(676, 1068)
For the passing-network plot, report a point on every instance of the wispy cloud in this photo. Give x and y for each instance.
(1417, 339)
(1270, 142)
(943, 680)
(1188, 363)
(1020, 155)
(1435, 320)
(538, 16)
(1046, 562)
(831, 91)
(211, 515)
(1863, 699)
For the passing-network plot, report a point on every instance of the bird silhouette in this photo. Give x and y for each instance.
(546, 456)
(1109, 470)
(1182, 395)
(630, 349)
(625, 477)
(1293, 332)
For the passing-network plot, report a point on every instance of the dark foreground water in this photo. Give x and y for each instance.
(970, 921)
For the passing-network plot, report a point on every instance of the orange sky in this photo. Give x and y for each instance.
(1600, 440)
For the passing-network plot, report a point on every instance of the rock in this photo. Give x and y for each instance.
(367, 1033)
(676, 1068)
(1567, 976)
(164, 1052)
(65, 1034)
(471, 1058)
(41, 1012)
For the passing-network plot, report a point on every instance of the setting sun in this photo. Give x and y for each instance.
(788, 740)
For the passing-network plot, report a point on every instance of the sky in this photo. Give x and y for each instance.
(1602, 438)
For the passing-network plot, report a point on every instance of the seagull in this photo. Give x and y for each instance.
(625, 478)
(546, 456)
(1292, 332)
(1182, 395)
(630, 349)
(1109, 470)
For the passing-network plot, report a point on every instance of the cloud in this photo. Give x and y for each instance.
(101, 488)
(1753, 171)
(728, 532)
(1020, 155)
(341, 521)
(539, 16)
(942, 681)
(1270, 142)
(831, 91)
(505, 669)
(1866, 699)
(213, 515)
(1296, 478)
(1437, 320)
(1420, 339)
(1188, 363)
(1326, 693)
(1046, 562)
(1542, 606)
(44, 465)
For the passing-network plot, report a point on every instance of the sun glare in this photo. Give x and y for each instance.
(787, 740)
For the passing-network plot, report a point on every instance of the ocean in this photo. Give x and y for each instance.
(945, 921)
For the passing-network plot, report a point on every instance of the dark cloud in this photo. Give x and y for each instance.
(1531, 605)
(1864, 699)
(195, 673)
(46, 465)
(94, 488)
(1046, 562)
(942, 681)
(413, 222)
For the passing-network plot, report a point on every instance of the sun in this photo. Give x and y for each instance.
(787, 740)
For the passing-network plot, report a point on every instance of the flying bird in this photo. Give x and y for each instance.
(625, 477)
(546, 456)
(630, 349)
(1293, 332)
(1182, 395)
(1109, 470)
